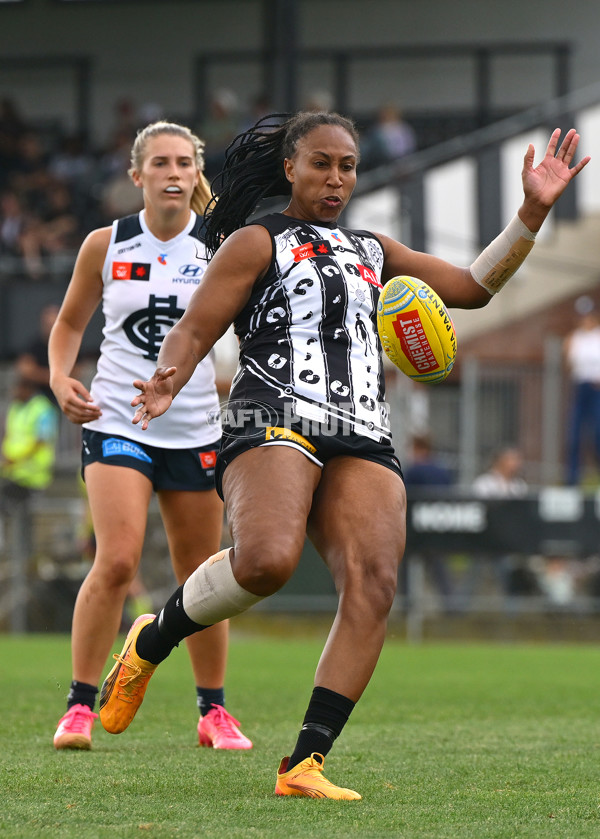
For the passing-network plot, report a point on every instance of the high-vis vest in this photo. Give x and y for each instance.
(30, 442)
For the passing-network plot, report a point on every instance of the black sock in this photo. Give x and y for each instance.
(207, 697)
(157, 639)
(81, 693)
(326, 715)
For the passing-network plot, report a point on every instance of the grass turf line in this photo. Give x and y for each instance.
(449, 742)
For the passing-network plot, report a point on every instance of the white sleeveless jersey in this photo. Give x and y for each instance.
(147, 286)
(308, 334)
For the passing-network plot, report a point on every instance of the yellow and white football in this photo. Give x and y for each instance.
(415, 329)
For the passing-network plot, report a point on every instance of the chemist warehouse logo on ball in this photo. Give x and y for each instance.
(414, 342)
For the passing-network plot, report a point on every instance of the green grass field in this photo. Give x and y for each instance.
(449, 742)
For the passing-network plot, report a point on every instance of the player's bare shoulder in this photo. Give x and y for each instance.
(248, 250)
(87, 273)
(95, 245)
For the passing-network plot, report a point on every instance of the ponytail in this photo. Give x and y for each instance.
(202, 194)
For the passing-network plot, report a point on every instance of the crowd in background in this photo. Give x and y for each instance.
(56, 186)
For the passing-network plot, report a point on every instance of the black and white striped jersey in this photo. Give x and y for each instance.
(308, 334)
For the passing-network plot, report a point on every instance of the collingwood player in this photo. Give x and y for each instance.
(302, 292)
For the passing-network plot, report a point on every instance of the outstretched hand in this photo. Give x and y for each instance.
(155, 397)
(547, 181)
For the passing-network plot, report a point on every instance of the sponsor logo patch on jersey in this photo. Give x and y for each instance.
(369, 275)
(131, 271)
(114, 447)
(319, 247)
(208, 459)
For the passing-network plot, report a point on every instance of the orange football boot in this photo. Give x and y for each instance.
(306, 779)
(124, 688)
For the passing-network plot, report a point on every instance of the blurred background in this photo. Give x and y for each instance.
(502, 460)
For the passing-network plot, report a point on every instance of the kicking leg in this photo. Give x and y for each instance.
(268, 493)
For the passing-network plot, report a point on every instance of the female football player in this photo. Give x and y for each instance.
(143, 268)
(314, 455)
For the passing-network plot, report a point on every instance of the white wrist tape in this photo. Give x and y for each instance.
(212, 594)
(495, 265)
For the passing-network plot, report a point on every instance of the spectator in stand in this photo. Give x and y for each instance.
(46, 200)
(114, 158)
(219, 128)
(73, 164)
(18, 235)
(13, 222)
(55, 229)
(390, 138)
(319, 101)
(260, 106)
(12, 127)
(119, 196)
(503, 479)
(31, 177)
(425, 469)
(427, 475)
(32, 363)
(582, 356)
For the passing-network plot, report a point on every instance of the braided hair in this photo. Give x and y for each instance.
(253, 168)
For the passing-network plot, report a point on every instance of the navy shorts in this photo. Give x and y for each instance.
(191, 470)
(318, 445)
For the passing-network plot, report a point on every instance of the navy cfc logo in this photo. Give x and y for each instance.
(147, 328)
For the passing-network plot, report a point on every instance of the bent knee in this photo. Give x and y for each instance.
(370, 591)
(383, 591)
(263, 569)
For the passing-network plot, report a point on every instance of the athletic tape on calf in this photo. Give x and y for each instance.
(212, 593)
(496, 264)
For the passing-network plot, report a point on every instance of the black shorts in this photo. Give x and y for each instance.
(191, 470)
(318, 445)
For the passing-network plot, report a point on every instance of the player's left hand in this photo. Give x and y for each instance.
(543, 184)
(155, 397)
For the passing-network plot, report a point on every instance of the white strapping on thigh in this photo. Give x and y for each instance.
(212, 594)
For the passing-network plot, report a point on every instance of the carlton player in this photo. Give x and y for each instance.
(144, 269)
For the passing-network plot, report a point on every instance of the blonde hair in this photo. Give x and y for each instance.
(202, 194)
